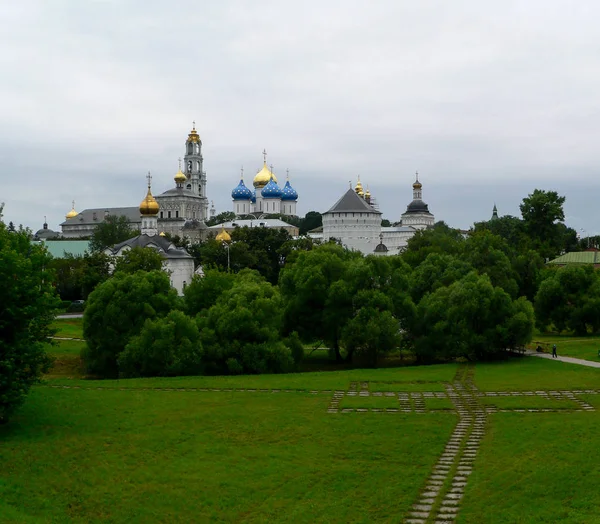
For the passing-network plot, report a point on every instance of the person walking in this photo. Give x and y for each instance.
(554, 355)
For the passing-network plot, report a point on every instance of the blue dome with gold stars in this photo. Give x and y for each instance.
(271, 190)
(253, 199)
(241, 192)
(289, 193)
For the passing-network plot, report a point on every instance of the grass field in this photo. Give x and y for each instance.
(579, 347)
(122, 451)
(69, 327)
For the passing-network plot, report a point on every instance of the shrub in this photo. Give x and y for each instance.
(167, 346)
(116, 311)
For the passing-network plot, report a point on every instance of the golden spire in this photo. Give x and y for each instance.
(359, 188)
(223, 236)
(149, 206)
(72, 213)
(194, 136)
(368, 193)
(417, 184)
(180, 178)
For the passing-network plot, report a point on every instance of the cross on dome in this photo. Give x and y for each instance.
(149, 179)
(264, 154)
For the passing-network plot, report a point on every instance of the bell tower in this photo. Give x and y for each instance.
(194, 172)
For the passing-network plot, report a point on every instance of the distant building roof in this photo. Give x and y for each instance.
(164, 246)
(351, 202)
(96, 216)
(259, 222)
(399, 229)
(577, 257)
(60, 248)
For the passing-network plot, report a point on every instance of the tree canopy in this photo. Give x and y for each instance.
(113, 230)
(28, 302)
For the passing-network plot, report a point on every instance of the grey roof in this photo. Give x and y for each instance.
(46, 233)
(179, 191)
(164, 246)
(381, 248)
(265, 222)
(417, 206)
(350, 201)
(87, 215)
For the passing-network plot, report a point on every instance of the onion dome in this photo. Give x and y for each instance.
(253, 199)
(263, 177)
(288, 192)
(359, 188)
(180, 177)
(241, 192)
(223, 236)
(149, 206)
(271, 190)
(72, 213)
(368, 194)
(194, 136)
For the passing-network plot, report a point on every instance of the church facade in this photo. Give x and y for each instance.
(267, 197)
(183, 209)
(178, 263)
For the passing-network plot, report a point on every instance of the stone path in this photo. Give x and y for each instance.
(568, 360)
(67, 338)
(440, 498)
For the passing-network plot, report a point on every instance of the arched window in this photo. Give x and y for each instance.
(190, 148)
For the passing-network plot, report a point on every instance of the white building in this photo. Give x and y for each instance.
(354, 222)
(357, 224)
(177, 262)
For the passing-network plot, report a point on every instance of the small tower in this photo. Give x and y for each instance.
(494, 213)
(194, 171)
(213, 211)
(149, 211)
(261, 179)
(180, 178)
(417, 189)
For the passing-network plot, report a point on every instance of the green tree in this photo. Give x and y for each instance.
(165, 347)
(372, 330)
(472, 319)
(116, 310)
(569, 299)
(311, 220)
(139, 259)
(241, 333)
(265, 245)
(28, 302)
(439, 239)
(203, 292)
(225, 216)
(113, 230)
(486, 252)
(437, 270)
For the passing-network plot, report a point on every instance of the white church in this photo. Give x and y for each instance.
(355, 221)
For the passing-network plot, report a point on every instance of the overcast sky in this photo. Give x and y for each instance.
(487, 100)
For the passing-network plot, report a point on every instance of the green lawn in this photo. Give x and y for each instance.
(69, 327)
(533, 402)
(579, 347)
(370, 402)
(148, 456)
(406, 386)
(67, 362)
(144, 455)
(530, 373)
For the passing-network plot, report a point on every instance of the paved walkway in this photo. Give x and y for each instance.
(71, 315)
(568, 360)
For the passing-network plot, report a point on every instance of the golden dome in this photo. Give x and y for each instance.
(359, 188)
(194, 136)
(223, 236)
(368, 194)
(72, 213)
(162, 234)
(149, 206)
(417, 184)
(180, 178)
(263, 176)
